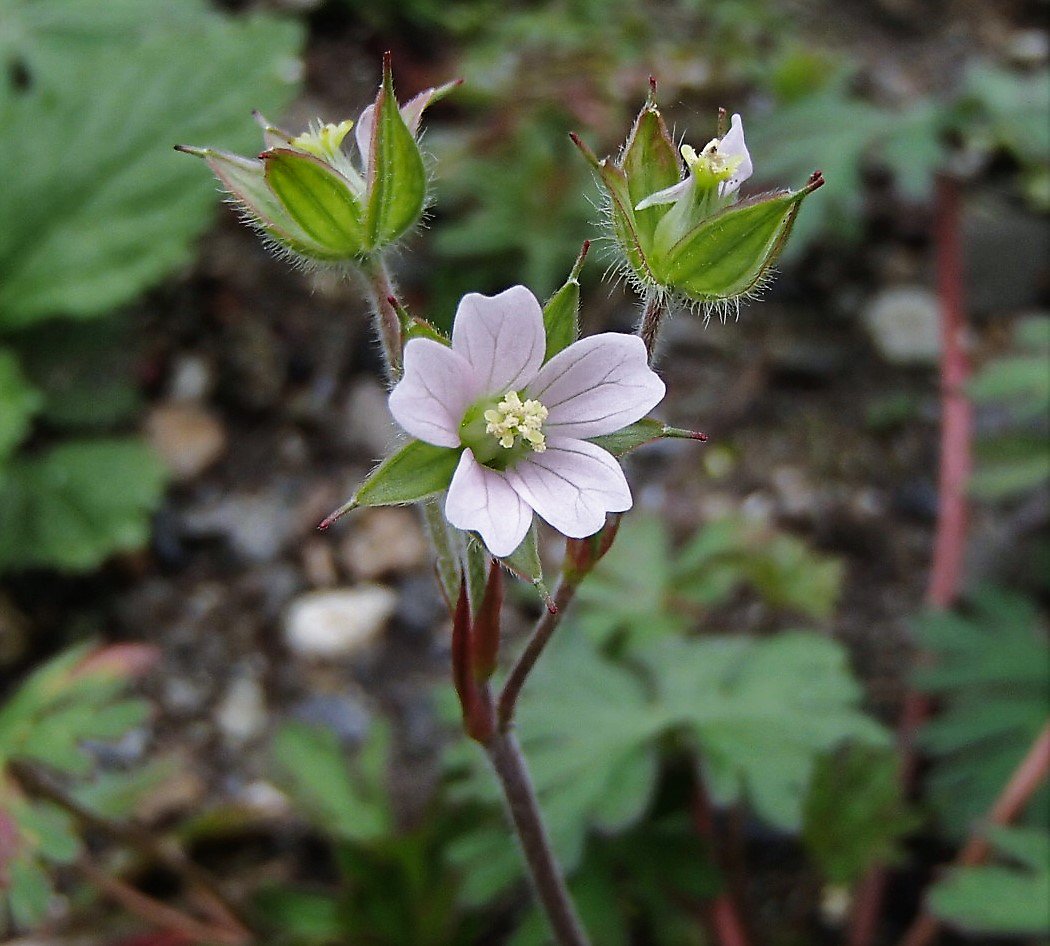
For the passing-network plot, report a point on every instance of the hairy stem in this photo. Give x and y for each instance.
(1023, 784)
(950, 538)
(380, 291)
(652, 317)
(547, 879)
(541, 635)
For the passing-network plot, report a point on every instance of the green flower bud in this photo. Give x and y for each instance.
(686, 235)
(311, 200)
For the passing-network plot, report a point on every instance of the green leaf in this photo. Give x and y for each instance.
(397, 179)
(525, 562)
(998, 899)
(313, 766)
(77, 504)
(854, 815)
(29, 892)
(92, 223)
(727, 255)
(19, 401)
(50, 830)
(632, 436)
(990, 674)
(310, 917)
(561, 312)
(415, 471)
(318, 198)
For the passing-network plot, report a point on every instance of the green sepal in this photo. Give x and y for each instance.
(414, 472)
(318, 198)
(642, 432)
(726, 255)
(524, 562)
(650, 163)
(245, 181)
(561, 312)
(397, 178)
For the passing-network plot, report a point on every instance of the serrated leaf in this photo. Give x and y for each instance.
(93, 222)
(318, 198)
(990, 673)
(397, 179)
(313, 766)
(998, 899)
(19, 401)
(77, 504)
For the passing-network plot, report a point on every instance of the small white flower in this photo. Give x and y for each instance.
(723, 161)
(521, 423)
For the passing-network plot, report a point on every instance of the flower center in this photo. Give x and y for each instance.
(512, 418)
(323, 141)
(711, 166)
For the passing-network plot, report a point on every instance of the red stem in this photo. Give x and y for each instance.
(723, 916)
(949, 543)
(1023, 784)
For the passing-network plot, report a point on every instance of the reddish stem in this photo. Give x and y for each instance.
(723, 915)
(1023, 784)
(950, 538)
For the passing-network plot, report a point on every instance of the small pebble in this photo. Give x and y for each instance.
(339, 623)
(187, 438)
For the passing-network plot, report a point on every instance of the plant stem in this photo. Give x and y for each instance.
(547, 879)
(169, 856)
(1023, 784)
(156, 913)
(950, 537)
(541, 635)
(380, 292)
(652, 317)
(724, 917)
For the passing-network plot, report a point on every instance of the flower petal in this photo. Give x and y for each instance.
(667, 196)
(572, 485)
(481, 500)
(437, 388)
(502, 336)
(596, 386)
(733, 146)
(363, 135)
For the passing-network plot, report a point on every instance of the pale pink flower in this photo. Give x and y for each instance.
(523, 424)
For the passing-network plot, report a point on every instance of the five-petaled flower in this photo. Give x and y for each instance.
(523, 425)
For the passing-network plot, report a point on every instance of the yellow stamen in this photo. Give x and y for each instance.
(513, 418)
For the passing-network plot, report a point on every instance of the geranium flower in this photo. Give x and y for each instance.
(523, 425)
(724, 162)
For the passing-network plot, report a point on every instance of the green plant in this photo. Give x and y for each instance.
(1011, 897)
(990, 670)
(100, 211)
(392, 885)
(76, 697)
(1017, 459)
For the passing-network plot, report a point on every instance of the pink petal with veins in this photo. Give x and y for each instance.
(502, 336)
(572, 485)
(596, 386)
(481, 500)
(437, 388)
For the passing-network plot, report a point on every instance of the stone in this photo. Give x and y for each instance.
(241, 716)
(383, 541)
(256, 525)
(904, 324)
(186, 437)
(369, 423)
(344, 715)
(338, 623)
(190, 379)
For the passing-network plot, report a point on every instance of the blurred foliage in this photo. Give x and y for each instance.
(855, 815)
(990, 672)
(595, 730)
(643, 589)
(1015, 459)
(1008, 898)
(92, 98)
(394, 888)
(75, 698)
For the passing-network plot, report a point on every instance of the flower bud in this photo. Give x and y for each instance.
(313, 201)
(681, 231)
